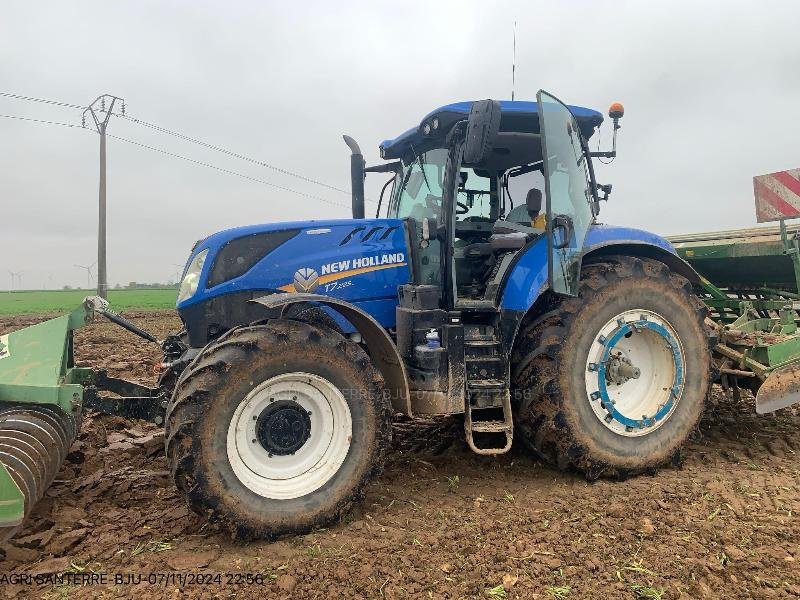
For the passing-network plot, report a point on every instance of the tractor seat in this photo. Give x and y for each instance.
(512, 235)
(472, 251)
(507, 235)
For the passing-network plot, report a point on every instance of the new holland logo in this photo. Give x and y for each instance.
(306, 280)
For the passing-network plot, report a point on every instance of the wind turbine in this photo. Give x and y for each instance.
(18, 276)
(88, 273)
(178, 272)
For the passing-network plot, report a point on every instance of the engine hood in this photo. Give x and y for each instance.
(358, 260)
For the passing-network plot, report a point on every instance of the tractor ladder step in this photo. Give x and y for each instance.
(488, 404)
(480, 342)
(492, 425)
(486, 384)
(495, 444)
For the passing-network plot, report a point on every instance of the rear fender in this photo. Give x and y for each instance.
(643, 250)
(382, 349)
(527, 280)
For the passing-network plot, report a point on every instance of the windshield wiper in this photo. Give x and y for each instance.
(422, 168)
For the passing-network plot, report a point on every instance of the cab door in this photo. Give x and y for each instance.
(569, 197)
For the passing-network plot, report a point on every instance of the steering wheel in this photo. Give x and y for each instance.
(461, 208)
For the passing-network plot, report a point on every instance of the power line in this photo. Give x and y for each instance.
(42, 100)
(232, 153)
(19, 118)
(186, 158)
(223, 170)
(184, 137)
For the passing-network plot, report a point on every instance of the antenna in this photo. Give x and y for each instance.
(514, 62)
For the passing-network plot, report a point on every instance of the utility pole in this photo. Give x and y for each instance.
(101, 110)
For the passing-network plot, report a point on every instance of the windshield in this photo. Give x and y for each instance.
(419, 193)
(474, 201)
(418, 197)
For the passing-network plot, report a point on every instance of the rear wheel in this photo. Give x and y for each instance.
(277, 428)
(614, 381)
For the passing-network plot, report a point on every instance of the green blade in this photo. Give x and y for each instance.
(779, 390)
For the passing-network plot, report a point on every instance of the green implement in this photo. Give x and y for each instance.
(754, 306)
(42, 396)
(36, 363)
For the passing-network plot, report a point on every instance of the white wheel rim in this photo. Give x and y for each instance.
(283, 477)
(635, 406)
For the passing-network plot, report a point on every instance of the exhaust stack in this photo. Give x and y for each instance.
(357, 165)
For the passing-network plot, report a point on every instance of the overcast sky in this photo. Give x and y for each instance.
(711, 91)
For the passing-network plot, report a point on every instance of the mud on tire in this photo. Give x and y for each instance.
(224, 377)
(554, 415)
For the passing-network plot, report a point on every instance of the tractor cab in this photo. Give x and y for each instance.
(486, 190)
(472, 183)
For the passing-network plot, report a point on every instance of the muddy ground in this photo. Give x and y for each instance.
(439, 523)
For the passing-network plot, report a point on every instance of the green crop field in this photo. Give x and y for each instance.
(59, 301)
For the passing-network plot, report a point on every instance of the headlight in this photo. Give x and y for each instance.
(192, 277)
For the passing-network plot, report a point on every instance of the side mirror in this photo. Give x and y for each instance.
(482, 127)
(562, 230)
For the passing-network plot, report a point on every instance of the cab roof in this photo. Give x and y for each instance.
(516, 116)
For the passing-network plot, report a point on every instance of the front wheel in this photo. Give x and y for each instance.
(277, 428)
(614, 381)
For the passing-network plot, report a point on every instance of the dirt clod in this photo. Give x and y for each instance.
(287, 583)
(646, 526)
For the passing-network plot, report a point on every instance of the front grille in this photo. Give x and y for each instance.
(239, 255)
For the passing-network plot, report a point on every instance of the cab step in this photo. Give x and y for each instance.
(488, 405)
(494, 444)
(490, 427)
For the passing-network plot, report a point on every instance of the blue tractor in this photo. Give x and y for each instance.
(484, 286)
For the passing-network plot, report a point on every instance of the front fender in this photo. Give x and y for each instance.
(382, 349)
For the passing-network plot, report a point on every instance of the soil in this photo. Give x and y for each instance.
(440, 522)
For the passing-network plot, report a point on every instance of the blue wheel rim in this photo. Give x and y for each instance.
(615, 417)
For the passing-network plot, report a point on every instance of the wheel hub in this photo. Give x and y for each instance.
(620, 369)
(635, 373)
(283, 427)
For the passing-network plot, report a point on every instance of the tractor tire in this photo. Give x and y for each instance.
(277, 428)
(612, 382)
